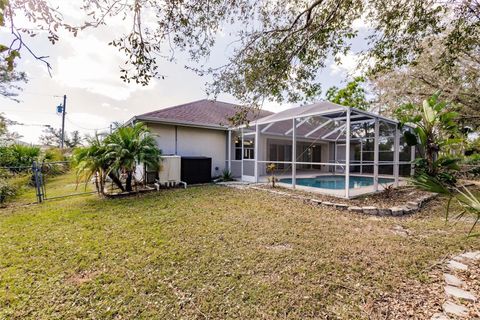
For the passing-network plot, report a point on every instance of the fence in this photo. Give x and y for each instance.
(45, 170)
(43, 181)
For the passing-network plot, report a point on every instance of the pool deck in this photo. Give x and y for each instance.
(340, 193)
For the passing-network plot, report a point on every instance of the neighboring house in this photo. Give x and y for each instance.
(198, 128)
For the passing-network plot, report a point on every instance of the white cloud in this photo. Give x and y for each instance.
(94, 66)
(348, 65)
(361, 23)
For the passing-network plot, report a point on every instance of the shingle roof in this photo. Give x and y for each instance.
(202, 112)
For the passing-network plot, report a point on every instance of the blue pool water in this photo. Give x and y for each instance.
(336, 182)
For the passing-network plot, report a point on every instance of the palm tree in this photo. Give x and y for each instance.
(91, 162)
(129, 146)
(469, 203)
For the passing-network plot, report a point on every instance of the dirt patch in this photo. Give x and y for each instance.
(401, 231)
(82, 277)
(398, 197)
(280, 247)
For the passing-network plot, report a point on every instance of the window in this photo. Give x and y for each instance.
(248, 149)
(238, 149)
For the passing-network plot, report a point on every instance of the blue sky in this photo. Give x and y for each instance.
(86, 69)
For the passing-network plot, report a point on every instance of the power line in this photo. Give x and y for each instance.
(81, 127)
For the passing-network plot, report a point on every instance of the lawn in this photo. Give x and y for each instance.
(211, 252)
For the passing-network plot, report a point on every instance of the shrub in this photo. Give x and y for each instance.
(25, 155)
(227, 175)
(18, 155)
(6, 191)
(445, 169)
(473, 165)
(7, 157)
(54, 154)
(271, 170)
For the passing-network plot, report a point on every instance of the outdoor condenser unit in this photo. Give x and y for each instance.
(169, 170)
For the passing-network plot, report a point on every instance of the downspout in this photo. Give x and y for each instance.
(176, 140)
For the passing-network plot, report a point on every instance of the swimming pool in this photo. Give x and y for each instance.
(336, 182)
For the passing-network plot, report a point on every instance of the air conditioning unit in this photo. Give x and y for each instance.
(170, 168)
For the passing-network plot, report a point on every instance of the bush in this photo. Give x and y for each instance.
(7, 157)
(6, 191)
(18, 155)
(472, 163)
(54, 154)
(227, 175)
(446, 169)
(473, 159)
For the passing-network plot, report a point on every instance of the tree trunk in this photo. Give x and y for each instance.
(128, 182)
(96, 183)
(116, 180)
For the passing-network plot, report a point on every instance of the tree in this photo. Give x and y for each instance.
(353, 95)
(281, 47)
(3, 125)
(435, 129)
(9, 82)
(53, 137)
(129, 146)
(91, 161)
(74, 139)
(7, 137)
(459, 85)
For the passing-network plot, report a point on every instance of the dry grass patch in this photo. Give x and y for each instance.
(212, 252)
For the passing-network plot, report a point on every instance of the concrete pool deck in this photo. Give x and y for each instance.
(340, 193)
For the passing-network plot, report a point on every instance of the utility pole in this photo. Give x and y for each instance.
(63, 119)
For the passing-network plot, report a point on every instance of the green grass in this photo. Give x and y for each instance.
(209, 252)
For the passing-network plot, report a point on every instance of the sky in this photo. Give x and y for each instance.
(86, 69)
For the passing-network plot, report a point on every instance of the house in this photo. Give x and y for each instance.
(322, 147)
(195, 129)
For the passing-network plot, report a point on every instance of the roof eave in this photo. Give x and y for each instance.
(180, 123)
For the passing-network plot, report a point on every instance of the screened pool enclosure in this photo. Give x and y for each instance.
(323, 147)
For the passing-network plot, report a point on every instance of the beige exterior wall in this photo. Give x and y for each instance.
(204, 142)
(165, 137)
(189, 141)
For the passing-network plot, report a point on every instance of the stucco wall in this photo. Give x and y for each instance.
(165, 137)
(192, 142)
(203, 142)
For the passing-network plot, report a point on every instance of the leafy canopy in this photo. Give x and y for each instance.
(281, 45)
(352, 95)
(460, 84)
